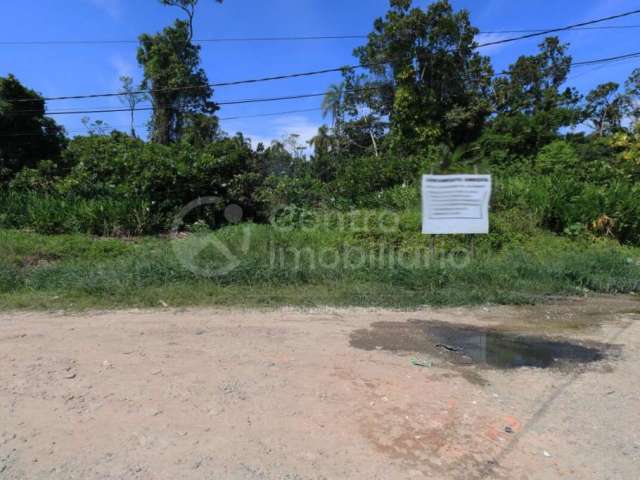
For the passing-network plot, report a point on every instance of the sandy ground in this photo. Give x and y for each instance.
(227, 394)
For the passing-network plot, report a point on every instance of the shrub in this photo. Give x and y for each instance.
(557, 158)
(118, 184)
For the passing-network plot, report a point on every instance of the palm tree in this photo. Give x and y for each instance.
(332, 103)
(321, 143)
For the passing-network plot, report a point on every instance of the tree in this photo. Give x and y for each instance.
(606, 108)
(530, 104)
(188, 7)
(293, 145)
(277, 160)
(632, 92)
(332, 104)
(200, 129)
(178, 86)
(363, 133)
(28, 136)
(427, 75)
(323, 160)
(321, 142)
(97, 127)
(533, 83)
(131, 97)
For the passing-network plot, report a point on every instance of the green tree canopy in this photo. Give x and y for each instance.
(27, 135)
(531, 104)
(332, 104)
(427, 75)
(633, 94)
(178, 87)
(606, 108)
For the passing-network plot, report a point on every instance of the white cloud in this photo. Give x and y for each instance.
(122, 66)
(288, 125)
(113, 8)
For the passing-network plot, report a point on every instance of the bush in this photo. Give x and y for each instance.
(557, 158)
(120, 185)
(559, 202)
(360, 179)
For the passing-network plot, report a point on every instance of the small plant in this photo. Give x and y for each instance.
(200, 226)
(575, 230)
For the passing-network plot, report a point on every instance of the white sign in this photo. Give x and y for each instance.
(455, 204)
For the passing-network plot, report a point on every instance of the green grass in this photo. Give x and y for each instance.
(79, 272)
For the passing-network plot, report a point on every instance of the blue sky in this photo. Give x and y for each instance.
(56, 70)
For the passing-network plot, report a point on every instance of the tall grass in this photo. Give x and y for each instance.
(47, 213)
(284, 267)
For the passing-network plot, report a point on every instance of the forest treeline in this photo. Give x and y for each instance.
(425, 100)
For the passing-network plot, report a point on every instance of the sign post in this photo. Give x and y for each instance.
(455, 204)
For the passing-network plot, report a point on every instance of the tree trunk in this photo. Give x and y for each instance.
(133, 129)
(161, 126)
(375, 144)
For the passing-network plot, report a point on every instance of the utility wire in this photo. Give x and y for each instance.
(230, 102)
(598, 61)
(276, 39)
(236, 117)
(265, 79)
(599, 67)
(561, 29)
(211, 85)
(605, 60)
(201, 40)
(536, 30)
(271, 114)
(319, 72)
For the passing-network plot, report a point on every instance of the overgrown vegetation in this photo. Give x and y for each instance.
(566, 166)
(298, 267)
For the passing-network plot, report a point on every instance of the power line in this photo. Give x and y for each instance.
(279, 77)
(627, 56)
(236, 117)
(258, 80)
(278, 39)
(201, 40)
(605, 60)
(561, 29)
(600, 67)
(233, 102)
(211, 85)
(272, 114)
(537, 30)
(597, 61)
(316, 72)
(226, 103)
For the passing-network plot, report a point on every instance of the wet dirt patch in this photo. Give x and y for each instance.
(466, 345)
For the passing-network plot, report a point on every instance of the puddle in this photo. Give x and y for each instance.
(507, 350)
(464, 344)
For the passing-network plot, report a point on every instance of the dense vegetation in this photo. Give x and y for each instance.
(564, 164)
(76, 271)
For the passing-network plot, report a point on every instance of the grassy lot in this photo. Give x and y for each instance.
(305, 267)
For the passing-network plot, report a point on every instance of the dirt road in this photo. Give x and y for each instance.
(325, 394)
